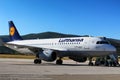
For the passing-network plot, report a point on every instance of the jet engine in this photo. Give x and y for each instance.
(78, 59)
(48, 55)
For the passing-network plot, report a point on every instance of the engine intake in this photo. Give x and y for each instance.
(48, 55)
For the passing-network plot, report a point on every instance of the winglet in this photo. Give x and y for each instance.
(14, 35)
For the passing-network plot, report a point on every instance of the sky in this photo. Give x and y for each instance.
(79, 17)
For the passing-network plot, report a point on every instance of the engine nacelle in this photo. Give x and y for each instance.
(78, 59)
(48, 55)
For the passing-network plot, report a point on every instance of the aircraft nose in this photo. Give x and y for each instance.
(111, 48)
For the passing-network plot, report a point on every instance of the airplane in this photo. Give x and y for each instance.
(76, 48)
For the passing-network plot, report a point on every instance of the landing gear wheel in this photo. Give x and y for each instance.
(59, 62)
(115, 64)
(90, 64)
(37, 61)
(106, 63)
(97, 63)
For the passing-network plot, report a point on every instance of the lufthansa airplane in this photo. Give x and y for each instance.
(76, 48)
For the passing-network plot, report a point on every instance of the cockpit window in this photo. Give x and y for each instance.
(102, 42)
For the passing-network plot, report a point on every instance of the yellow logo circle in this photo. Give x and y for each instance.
(12, 31)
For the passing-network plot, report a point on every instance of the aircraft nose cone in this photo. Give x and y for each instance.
(111, 48)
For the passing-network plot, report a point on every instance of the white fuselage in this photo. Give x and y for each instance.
(87, 46)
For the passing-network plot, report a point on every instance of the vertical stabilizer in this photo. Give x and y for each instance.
(14, 35)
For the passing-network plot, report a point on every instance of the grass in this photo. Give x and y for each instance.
(17, 56)
(22, 56)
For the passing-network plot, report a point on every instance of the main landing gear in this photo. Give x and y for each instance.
(59, 61)
(37, 60)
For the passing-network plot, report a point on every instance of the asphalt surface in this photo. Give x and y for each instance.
(25, 69)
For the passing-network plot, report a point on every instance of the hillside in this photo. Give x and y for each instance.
(44, 35)
(47, 35)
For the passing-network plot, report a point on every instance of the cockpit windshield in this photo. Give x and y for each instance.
(102, 42)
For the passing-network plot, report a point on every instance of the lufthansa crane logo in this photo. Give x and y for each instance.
(12, 31)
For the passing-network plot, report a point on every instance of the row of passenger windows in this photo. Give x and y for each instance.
(58, 43)
(102, 42)
(98, 42)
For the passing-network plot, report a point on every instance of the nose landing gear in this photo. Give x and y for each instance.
(90, 62)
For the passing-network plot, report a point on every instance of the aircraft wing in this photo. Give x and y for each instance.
(33, 47)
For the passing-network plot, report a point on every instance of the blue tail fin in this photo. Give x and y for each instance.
(14, 35)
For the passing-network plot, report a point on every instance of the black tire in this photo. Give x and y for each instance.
(91, 64)
(111, 63)
(37, 61)
(114, 64)
(59, 62)
(97, 63)
(106, 63)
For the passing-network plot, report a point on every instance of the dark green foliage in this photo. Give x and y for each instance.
(47, 35)
(5, 50)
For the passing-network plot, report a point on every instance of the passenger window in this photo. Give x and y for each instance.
(98, 42)
(102, 42)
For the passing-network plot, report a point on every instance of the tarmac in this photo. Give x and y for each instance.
(25, 69)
